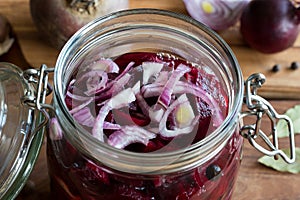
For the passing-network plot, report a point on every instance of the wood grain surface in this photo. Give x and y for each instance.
(283, 84)
(255, 181)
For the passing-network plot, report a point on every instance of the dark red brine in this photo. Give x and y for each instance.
(145, 103)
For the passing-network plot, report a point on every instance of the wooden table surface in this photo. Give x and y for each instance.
(254, 181)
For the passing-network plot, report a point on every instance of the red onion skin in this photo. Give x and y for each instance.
(57, 21)
(270, 26)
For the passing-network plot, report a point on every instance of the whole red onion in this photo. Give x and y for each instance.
(58, 20)
(270, 26)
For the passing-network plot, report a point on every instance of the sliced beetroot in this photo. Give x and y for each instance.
(81, 178)
(130, 117)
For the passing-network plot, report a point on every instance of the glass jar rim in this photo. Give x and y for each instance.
(215, 138)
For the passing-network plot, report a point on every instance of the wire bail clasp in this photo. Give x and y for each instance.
(35, 99)
(259, 107)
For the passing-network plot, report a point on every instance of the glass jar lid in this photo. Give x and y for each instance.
(19, 145)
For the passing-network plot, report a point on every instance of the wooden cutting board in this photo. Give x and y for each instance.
(281, 85)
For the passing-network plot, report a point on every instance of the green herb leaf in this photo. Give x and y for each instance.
(294, 114)
(280, 164)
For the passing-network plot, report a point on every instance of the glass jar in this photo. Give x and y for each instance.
(206, 167)
(20, 139)
(82, 167)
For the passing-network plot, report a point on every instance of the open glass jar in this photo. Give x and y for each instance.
(107, 139)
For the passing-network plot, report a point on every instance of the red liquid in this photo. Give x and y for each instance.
(75, 177)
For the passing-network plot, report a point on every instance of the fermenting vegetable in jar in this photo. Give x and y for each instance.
(143, 102)
(153, 101)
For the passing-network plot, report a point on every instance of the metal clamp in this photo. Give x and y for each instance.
(259, 107)
(36, 98)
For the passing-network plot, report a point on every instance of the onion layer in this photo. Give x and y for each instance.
(145, 102)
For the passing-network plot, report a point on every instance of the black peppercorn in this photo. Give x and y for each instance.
(213, 171)
(276, 68)
(294, 65)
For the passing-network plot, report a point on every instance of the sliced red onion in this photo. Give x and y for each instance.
(113, 86)
(154, 115)
(128, 135)
(136, 88)
(96, 81)
(165, 96)
(184, 114)
(84, 117)
(177, 131)
(111, 126)
(217, 14)
(122, 99)
(128, 67)
(183, 87)
(81, 106)
(162, 77)
(158, 82)
(107, 65)
(116, 87)
(152, 90)
(155, 88)
(77, 97)
(93, 80)
(55, 132)
(150, 69)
